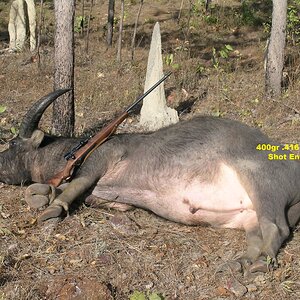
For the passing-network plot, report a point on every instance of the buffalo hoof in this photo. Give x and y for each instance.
(243, 265)
(39, 195)
(261, 265)
(51, 212)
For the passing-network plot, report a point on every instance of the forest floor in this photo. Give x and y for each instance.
(104, 254)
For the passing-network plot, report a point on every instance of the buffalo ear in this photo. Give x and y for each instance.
(36, 138)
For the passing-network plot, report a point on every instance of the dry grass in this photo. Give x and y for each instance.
(101, 254)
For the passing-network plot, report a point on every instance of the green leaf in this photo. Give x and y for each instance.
(137, 296)
(216, 113)
(2, 109)
(169, 59)
(13, 130)
(4, 231)
(223, 53)
(229, 47)
(176, 66)
(155, 296)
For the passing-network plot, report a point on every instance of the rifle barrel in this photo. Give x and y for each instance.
(86, 146)
(148, 92)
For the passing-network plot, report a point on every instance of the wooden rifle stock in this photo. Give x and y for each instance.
(76, 156)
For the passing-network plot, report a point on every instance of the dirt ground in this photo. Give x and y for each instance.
(103, 254)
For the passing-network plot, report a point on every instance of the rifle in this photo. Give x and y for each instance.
(76, 156)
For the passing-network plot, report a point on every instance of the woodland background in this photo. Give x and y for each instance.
(217, 57)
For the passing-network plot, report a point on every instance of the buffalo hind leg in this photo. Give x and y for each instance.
(254, 246)
(293, 215)
(263, 244)
(273, 235)
(96, 202)
(269, 201)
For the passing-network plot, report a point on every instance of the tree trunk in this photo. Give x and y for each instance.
(40, 33)
(63, 108)
(120, 32)
(110, 21)
(275, 51)
(135, 29)
(83, 16)
(88, 27)
(207, 3)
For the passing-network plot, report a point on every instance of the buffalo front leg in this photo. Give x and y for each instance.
(63, 201)
(39, 195)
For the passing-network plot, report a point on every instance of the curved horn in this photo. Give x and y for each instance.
(31, 119)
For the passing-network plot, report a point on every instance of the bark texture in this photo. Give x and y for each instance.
(63, 108)
(120, 32)
(135, 29)
(275, 49)
(110, 21)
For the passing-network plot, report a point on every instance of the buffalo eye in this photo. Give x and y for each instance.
(12, 143)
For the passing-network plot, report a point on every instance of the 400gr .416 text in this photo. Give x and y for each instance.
(274, 148)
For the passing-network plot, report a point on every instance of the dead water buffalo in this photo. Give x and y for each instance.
(203, 171)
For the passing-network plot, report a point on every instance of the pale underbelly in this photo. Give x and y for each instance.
(245, 219)
(224, 202)
(221, 203)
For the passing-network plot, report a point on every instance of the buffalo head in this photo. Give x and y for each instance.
(16, 161)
